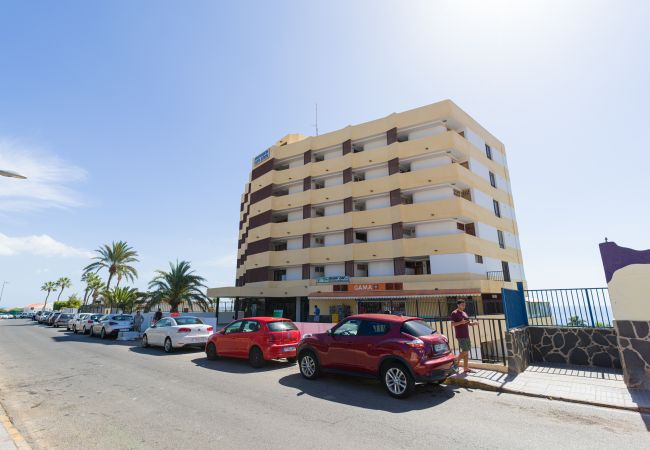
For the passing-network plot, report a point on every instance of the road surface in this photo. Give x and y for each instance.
(66, 392)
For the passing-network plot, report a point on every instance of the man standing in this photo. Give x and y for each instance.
(157, 316)
(461, 323)
(137, 321)
(316, 313)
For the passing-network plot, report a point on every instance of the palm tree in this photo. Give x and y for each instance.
(116, 259)
(178, 285)
(92, 281)
(48, 286)
(96, 286)
(122, 297)
(63, 282)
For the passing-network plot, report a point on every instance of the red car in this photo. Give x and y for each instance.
(257, 338)
(400, 350)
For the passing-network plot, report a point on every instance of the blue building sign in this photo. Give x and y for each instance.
(262, 156)
(338, 279)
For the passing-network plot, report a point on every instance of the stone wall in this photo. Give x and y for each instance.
(517, 349)
(634, 342)
(580, 346)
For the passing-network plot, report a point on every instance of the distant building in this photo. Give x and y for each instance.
(34, 307)
(406, 213)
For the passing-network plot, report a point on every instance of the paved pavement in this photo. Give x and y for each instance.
(596, 386)
(67, 391)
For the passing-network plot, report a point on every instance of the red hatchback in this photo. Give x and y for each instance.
(256, 338)
(400, 350)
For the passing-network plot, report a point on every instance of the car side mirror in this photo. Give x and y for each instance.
(222, 331)
(153, 326)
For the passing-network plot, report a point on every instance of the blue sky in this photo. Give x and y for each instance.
(138, 120)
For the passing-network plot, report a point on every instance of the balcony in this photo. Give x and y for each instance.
(495, 275)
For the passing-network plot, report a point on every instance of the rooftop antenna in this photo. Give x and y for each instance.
(316, 124)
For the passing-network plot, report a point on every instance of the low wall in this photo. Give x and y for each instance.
(517, 349)
(634, 341)
(579, 346)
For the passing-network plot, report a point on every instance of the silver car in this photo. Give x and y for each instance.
(62, 320)
(76, 321)
(111, 325)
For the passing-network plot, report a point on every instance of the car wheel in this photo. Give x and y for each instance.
(211, 351)
(309, 367)
(102, 334)
(397, 380)
(256, 357)
(168, 346)
(145, 341)
(291, 360)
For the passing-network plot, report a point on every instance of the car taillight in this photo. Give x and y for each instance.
(112, 323)
(270, 339)
(415, 343)
(184, 330)
(210, 328)
(90, 321)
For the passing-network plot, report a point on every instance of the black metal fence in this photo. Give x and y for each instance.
(488, 339)
(582, 307)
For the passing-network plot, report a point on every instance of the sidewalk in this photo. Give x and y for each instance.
(10, 438)
(589, 385)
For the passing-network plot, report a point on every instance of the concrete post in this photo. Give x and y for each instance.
(298, 310)
(627, 273)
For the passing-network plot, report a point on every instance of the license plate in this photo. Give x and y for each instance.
(289, 349)
(198, 339)
(440, 348)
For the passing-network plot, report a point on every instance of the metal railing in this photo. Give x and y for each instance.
(496, 275)
(487, 337)
(583, 307)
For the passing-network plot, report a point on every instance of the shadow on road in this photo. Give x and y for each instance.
(158, 351)
(69, 336)
(366, 393)
(240, 366)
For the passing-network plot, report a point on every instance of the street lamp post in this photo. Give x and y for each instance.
(2, 291)
(11, 174)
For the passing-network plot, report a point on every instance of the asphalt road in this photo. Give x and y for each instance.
(65, 392)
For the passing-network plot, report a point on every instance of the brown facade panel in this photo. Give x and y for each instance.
(306, 211)
(306, 240)
(391, 136)
(349, 268)
(256, 275)
(399, 265)
(306, 271)
(347, 175)
(307, 157)
(347, 205)
(306, 183)
(393, 166)
(347, 147)
(262, 169)
(398, 230)
(348, 236)
(395, 197)
(262, 193)
(259, 220)
(261, 246)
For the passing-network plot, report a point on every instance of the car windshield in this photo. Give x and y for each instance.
(65, 316)
(95, 316)
(188, 321)
(417, 328)
(284, 325)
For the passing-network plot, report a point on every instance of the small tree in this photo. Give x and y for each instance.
(179, 285)
(121, 297)
(62, 283)
(48, 286)
(576, 321)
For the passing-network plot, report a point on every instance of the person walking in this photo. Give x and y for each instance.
(316, 313)
(461, 323)
(157, 316)
(137, 321)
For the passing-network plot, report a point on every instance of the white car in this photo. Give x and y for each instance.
(176, 332)
(77, 321)
(111, 325)
(84, 326)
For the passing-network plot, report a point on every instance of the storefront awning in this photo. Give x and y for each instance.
(392, 295)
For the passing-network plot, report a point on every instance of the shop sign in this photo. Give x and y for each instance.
(369, 287)
(277, 312)
(262, 156)
(339, 279)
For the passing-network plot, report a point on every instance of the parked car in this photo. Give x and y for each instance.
(257, 338)
(76, 320)
(176, 332)
(43, 316)
(62, 320)
(399, 350)
(24, 315)
(111, 325)
(52, 317)
(86, 324)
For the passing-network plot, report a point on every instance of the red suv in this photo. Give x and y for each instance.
(400, 350)
(256, 338)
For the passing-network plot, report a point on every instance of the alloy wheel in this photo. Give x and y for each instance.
(308, 366)
(396, 380)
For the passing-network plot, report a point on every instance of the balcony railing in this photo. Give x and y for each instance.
(496, 275)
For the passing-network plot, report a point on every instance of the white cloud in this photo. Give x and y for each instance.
(41, 245)
(46, 183)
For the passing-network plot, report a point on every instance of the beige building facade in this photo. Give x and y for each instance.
(406, 213)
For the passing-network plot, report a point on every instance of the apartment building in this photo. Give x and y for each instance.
(404, 213)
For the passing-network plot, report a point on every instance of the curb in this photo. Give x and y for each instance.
(489, 387)
(17, 438)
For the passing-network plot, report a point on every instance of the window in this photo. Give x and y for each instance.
(250, 326)
(279, 275)
(506, 270)
(369, 328)
(284, 325)
(460, 226)
(497, 208)
(359, 177)
(163, 323)
(493, 180)
(361, 236)
(319, 158)
(348, 328)
(417, 328)
(188, 321)
(488, 151)
(478, 259)
(234, 327)
(319, 270)
(502, 242)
